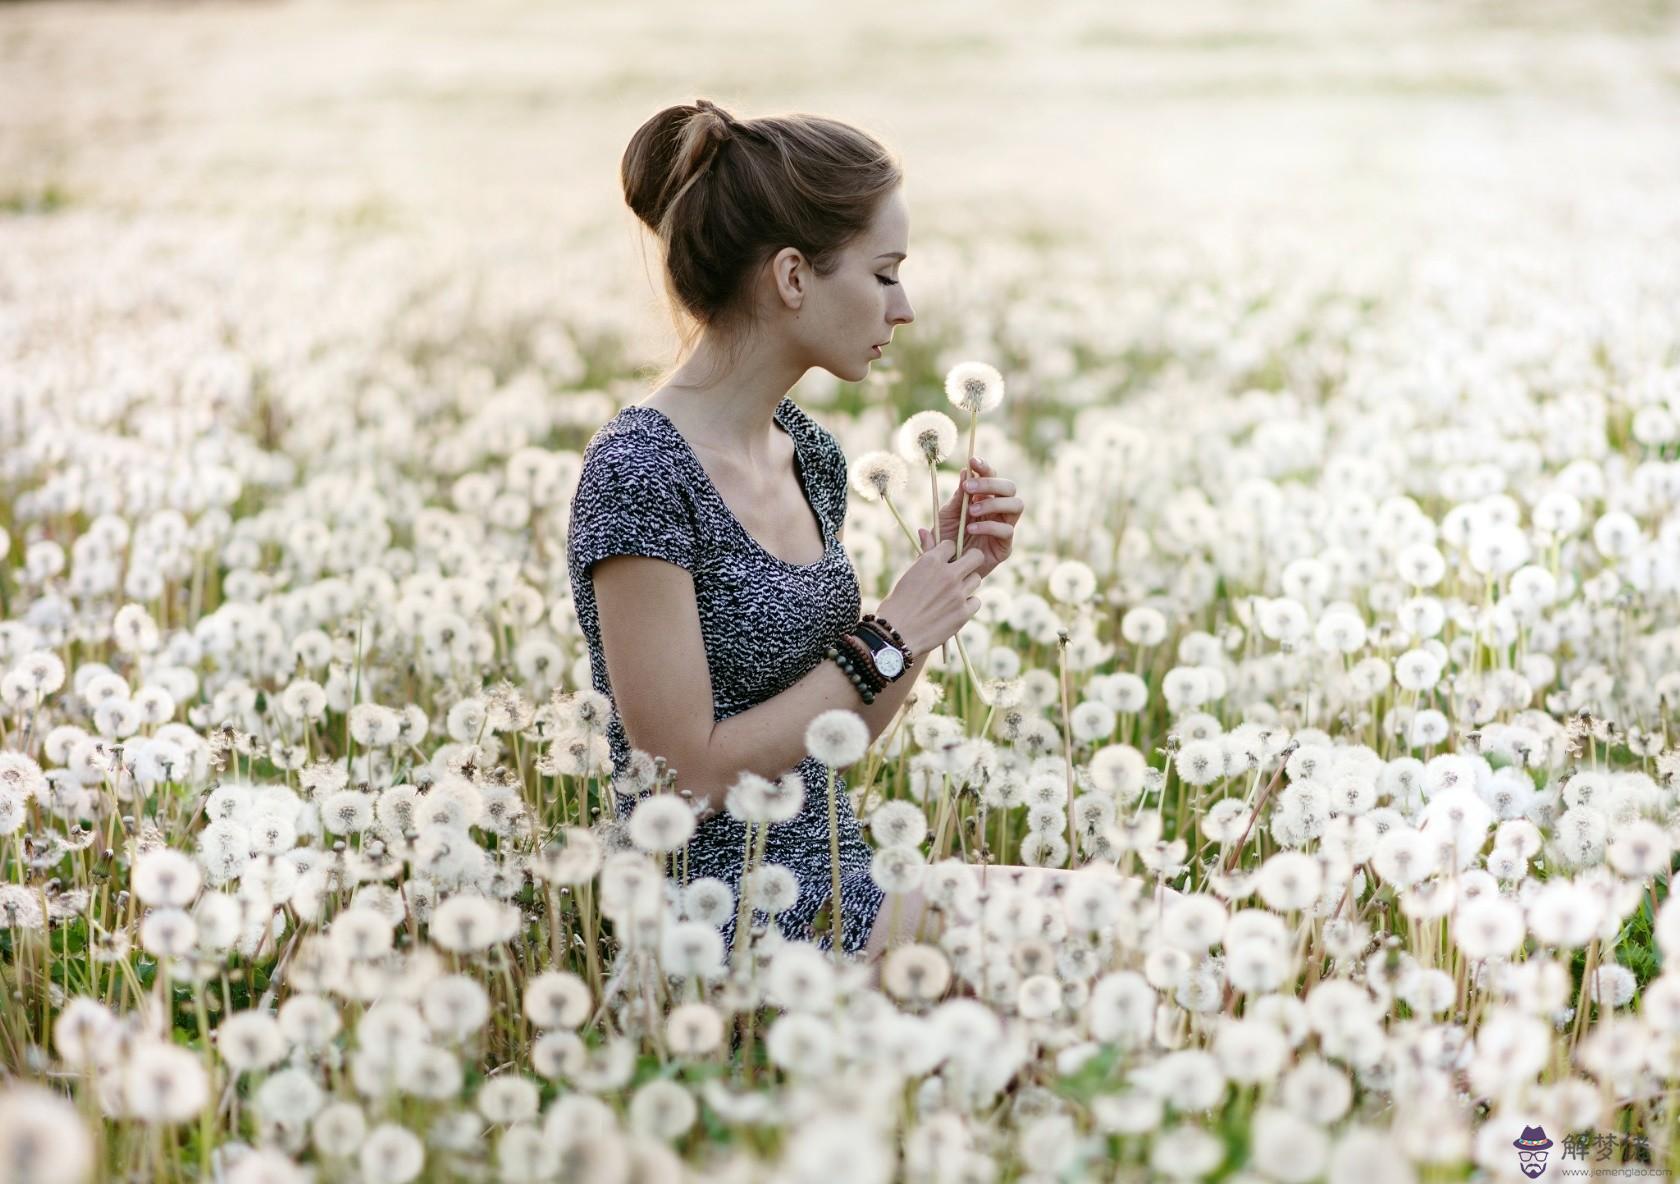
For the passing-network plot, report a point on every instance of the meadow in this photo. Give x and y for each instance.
(1340, 648)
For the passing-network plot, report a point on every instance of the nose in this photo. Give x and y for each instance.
(903, 314)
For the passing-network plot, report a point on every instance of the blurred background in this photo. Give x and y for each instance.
(492, 131)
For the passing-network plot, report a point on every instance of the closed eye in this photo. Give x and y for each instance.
(888, 282)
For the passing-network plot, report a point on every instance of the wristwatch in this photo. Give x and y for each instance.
(887, 657)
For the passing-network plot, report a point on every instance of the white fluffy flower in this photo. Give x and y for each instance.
(837, 738)
(557, 999)
(1072, 582)
(927, 437)
(1289, 880)
(390, 1154)
(974, 387)
(693, 1029)
(878, 474)
(661, 823)
(166, 878)
(250, 1040)
(42, 1139)
(165, 1083)
(662, 1109)
(1286, 1147)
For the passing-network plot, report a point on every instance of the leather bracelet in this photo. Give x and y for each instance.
(886, 632)
(845, 663)
(864, 660)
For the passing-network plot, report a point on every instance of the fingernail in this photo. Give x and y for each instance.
(971, 485)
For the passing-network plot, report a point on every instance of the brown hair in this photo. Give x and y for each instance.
(723, 195)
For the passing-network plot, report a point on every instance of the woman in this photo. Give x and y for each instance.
(705, 539)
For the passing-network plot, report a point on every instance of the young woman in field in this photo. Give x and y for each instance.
(705, 538)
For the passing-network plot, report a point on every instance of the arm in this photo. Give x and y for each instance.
(663, 690)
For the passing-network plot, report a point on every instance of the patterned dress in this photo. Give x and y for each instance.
(765, 622)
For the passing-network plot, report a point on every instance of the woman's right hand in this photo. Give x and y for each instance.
(935, 597)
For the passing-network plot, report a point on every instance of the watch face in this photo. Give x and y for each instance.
(889, 661)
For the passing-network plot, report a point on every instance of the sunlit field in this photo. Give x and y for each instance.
(1340, 647)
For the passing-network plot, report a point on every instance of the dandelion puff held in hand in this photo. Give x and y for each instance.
(974, 386)
(927, 438)
(879, 474)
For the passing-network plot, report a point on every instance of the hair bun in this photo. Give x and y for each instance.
(669, 153)
(726, 123)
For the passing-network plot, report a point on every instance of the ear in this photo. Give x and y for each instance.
(791, 274)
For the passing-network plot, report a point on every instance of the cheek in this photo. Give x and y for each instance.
(858, 305)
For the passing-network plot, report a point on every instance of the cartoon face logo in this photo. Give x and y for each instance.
(1531, 1151)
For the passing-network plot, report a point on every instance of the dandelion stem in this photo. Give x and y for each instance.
(1067, 742)
(962, 512)
(741, 904)
(1236, 850)
(915, 543)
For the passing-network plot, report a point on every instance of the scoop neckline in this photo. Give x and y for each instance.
(800, 474)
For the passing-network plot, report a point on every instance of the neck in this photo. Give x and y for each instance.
(730, 402)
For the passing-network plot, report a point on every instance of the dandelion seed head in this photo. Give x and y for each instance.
(837, 738)
(661, 823)
(878, 475)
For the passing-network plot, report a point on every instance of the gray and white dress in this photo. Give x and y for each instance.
(765, 623)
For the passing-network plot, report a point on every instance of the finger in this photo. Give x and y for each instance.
(971, 559)
(991, 486)
(972, 582)
(922, 537)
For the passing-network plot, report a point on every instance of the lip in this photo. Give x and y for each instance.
(876, 350)
(879, 346)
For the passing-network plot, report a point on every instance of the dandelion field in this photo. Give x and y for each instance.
(1340, 647)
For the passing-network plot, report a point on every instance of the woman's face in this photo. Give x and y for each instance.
(856, 307)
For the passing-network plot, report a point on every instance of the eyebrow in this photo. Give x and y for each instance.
(893, 255)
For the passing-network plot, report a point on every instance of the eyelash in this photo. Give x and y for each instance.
(886, 281)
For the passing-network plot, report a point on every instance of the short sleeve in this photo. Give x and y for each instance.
(830, 465)
(838, 480)
(631, 499)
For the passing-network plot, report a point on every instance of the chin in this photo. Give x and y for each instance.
(849, 373)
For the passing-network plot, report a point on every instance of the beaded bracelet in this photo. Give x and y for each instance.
(886, 632)
(864, 659)
(845, 663)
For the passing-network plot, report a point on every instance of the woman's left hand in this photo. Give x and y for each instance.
(993, 510)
